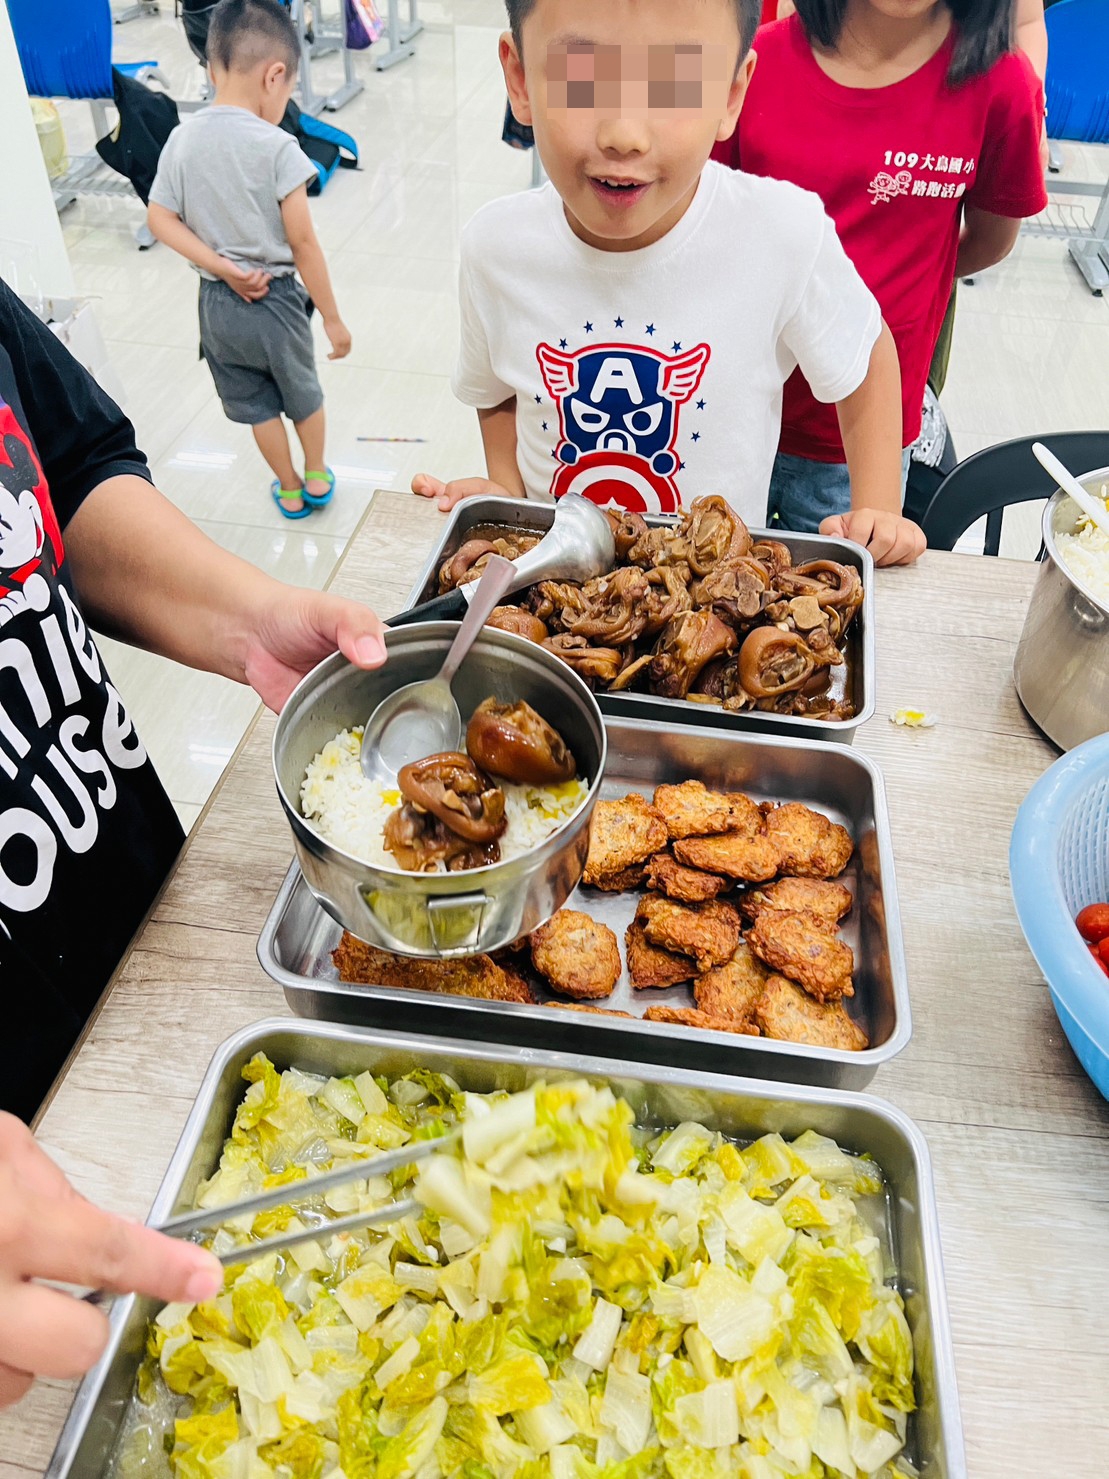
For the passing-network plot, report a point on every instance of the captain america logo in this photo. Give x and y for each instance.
(618, 409)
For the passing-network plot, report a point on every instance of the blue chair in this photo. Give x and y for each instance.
(1077, 74)
(65, 48)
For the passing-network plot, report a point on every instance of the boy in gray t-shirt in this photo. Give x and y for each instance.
(231, 196)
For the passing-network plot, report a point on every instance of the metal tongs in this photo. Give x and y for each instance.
(188, 1224)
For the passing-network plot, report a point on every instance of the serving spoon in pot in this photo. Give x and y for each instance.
(422, 718)
(1094, 509)
(578, 546)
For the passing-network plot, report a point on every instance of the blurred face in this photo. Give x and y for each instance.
(627, 100)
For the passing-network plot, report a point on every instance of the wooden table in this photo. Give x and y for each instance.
(1019, 1137)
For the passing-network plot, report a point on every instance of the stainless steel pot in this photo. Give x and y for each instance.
(440, 914)
(1062, 664)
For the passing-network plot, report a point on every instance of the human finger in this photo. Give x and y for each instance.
(835, 527)
(13, 1384)
(882, 543)
(911, 544)
(360, 635)
(425, 486)
(76, 1243)
(49, 1333)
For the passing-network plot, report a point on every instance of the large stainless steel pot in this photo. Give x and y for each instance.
(1062, 664)
(440, 914)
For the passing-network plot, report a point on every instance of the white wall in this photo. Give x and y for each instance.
(28, 218)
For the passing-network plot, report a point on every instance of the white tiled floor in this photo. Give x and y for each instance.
(1031, 350)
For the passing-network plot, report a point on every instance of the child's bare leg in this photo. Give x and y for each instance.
(273, 443)
(311, 433)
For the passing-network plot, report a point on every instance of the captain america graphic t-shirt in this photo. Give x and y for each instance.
(648, 378)
(87, 833)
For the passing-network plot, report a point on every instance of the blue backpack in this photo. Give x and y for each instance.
(328, 148)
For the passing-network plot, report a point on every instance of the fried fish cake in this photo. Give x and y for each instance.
(709, 932)
(809, 845)
(650, 966)
(692, 810)
(580, 1006)
(576, 956)
(815, 896)
(799, 946)
(627, 880)
(622, 834)
(786, 1013)
(475, 976)
(665, 875)
(750, 857)
(691, 1017)
(732, 989)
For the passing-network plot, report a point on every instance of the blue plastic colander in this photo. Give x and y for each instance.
(1059, 863)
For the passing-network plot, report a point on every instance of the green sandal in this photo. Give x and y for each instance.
(279, 494)
(319, 500)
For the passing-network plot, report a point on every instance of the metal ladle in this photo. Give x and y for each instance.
(578, 546)
(422, 718)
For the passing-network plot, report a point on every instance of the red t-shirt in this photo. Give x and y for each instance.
(893, 166)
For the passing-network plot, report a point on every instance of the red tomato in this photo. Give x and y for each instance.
(1103, 951)
(1098, 957)
(1093, 923)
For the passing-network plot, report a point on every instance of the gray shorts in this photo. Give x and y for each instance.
(261, 355)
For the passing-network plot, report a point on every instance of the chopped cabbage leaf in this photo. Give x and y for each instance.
(576, 1298)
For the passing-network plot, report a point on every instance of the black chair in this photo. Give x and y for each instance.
(996, 477)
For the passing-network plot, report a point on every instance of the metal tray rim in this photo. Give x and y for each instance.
(814, 726)
(165, 1200)
(869, 1058)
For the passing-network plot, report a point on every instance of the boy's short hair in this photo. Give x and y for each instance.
(245, 33)
(748, 13)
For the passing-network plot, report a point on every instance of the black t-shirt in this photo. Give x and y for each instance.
(87, 833)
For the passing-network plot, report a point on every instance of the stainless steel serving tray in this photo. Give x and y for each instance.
(296, 943)
(476, 515)
(660, 1096)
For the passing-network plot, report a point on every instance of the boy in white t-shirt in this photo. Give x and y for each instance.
(628, 328)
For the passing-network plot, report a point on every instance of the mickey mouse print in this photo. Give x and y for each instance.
(86, 831)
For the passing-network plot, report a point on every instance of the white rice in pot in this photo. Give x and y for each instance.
(350, 811)
(1086, 556)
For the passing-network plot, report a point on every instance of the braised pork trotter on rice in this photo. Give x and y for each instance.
(693, 610)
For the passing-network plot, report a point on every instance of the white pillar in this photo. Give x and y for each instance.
(30, 232)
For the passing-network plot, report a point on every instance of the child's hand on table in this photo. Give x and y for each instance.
(250, 286)
(448, 494)
(48, 1231)
(338, 336)
(891, 538)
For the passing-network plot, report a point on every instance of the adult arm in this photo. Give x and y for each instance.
(147, 574)
(870, 425)
(312, 266)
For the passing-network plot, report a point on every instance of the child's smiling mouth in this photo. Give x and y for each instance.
(618, 191)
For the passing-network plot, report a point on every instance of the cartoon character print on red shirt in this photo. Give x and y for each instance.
(618, 409)
(30, 539)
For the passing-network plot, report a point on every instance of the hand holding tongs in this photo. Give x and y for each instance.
(188, 1223)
